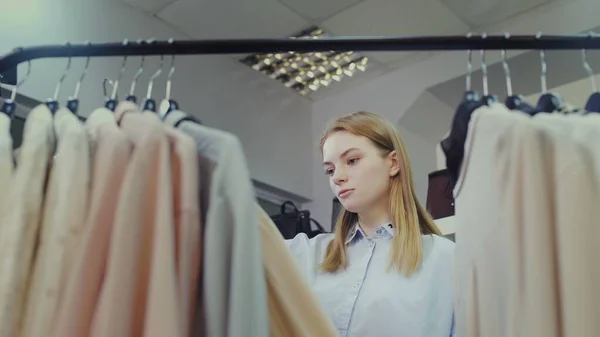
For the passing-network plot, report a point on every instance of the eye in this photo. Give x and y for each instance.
(352, 161)
(329, 171)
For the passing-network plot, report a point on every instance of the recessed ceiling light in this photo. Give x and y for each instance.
(307, 72)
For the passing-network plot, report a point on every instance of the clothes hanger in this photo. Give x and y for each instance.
(593, 102)
(131, 97)
(167, 105)
(149, 102)
(52, 103)
(73, 101)
(9, 106)
(548, 102)
(111, 103)
(514, 101)
(453, 145)
(487, 99)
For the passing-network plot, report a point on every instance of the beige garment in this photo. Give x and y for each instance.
(87, 274)
(184, 169)
(294, 310)
(235, 291)
(577, 212)
(65, 208)
(484, 244)
(140, 297)
(6, 157)
(21, 217)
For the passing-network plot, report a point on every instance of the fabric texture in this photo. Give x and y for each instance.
(65, 207)
(234, 292)
(21, 217)
(367, 299)
(86, 278)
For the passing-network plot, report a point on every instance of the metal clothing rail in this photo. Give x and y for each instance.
(246, 46)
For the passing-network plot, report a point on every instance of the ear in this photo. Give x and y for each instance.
(394, 163)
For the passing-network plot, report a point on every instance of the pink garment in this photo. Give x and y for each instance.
(184, 169)
(140, 297)
(86, 278)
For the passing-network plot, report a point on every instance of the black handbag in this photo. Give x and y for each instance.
(292, 222)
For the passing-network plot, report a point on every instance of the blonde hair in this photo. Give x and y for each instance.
(409, 217)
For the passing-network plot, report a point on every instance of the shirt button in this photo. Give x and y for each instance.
(379, 231)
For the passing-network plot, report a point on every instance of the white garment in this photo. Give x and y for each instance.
(368, 300)
(235, 290)
(481, 276)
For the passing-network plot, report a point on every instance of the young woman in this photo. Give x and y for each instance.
(387, 271)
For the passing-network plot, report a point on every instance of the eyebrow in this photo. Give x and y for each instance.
(345, 153)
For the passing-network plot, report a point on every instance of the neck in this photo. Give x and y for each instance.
(374, 217)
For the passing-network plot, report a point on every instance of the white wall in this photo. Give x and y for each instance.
(394, 95)
(272, 122)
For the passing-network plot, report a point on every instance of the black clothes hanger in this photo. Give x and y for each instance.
(167, 105)
(73, 101)
(548, 102)
(9, 106)
(593, 102)
(113, 101)
(149, 102)
(453, 145)
(487, 98)
(514, 101)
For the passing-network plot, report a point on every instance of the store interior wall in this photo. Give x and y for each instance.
(271, 121)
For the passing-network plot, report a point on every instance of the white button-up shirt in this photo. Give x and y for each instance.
(367, 300)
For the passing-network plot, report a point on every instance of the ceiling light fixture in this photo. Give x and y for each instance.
(307, 72)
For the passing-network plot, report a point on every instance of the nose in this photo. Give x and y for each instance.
(339, 177)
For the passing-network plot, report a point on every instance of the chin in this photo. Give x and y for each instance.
(349, 206)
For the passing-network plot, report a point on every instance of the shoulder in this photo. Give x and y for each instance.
(309, 250)
(438, 250)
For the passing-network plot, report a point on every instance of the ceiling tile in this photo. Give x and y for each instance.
(319, 9)
(479, 13)
(149, 5)
(395, 18)
(213, 19)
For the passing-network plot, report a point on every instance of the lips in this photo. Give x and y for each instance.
(343, 194)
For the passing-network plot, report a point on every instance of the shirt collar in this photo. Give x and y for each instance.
(357, 233)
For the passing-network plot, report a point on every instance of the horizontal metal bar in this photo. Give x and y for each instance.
(247, 46)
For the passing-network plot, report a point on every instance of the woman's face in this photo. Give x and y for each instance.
(359, 175)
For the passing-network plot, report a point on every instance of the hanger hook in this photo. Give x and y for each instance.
(62, 77)
(168, 94)
(544, 67)
(484, 68)
(509, 91)
(469, 65)
(587, 66)
(85, 70)
(154, 76)
(109, 81)
(113, 95)
(138, 73)
(13, 94)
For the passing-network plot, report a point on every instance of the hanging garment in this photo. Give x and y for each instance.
(184, 168)
(483, 236)
(82, 288)
(139, 297)
(65, 207)
(294, 310)
(234, 294)
(576, 201)
(21, 217)
(6, 157)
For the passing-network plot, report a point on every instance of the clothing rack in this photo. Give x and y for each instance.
(245, 46)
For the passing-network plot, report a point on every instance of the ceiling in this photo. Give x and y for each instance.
(211, 19)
